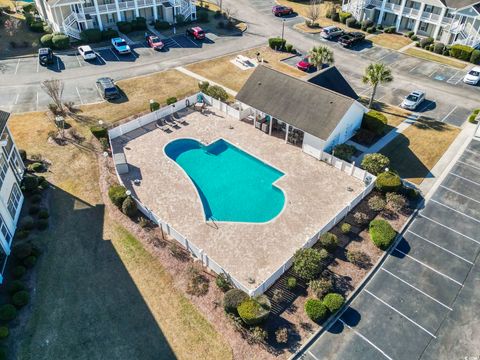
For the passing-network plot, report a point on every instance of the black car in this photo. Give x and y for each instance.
(107, 88)
(45, 56)
(351, 38)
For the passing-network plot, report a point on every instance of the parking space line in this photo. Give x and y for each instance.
(440, 247)
(464, 163)
(433, 72)
(79, 63)
(464, 178)
(457, 211)
(16, 67)
(451, 77)
(414, 287)
(37, 102)
(400, 313)
(310, 353)
(446, 116)
(58, 63)
(365, 339)
(473, 152)
(425, 107)
(458, 193)
(381, 97)
(429, 267)
(78, 93)
(38, 64)
(449, 228)
(16, 99)
(193, 42)
(414, 68)
(113, 52)
(171, 38)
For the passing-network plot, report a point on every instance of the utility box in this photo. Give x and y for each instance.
(120, 163)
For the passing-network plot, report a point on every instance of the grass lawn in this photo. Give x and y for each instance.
(394, 114)
(391, 41)
(15, 38)
(139, 91)
(304, 28)
(99, 294)
(427, 55)
(415, 152)
(222, 71)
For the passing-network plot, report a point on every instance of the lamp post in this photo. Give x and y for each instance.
(283, 29)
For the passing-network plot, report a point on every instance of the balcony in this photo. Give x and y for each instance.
(431, 17)
(393, 7)
(411, 13)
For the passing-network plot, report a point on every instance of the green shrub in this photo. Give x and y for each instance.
(291, 283)
(426, 42)
(367, 23)
(374, 121)
(382, 233)
(232, 299)
(351, 22)
(61, 41)
(27, 223)
(20, 299)
(21, 251)
(375, 163)
(472, 119)
(91, 35)
(358, 258)
(253, 312)
(162, 25)
(8, 312)
(33, 209)
(3, 333)
(343, 15)
(315, 310)
(36, 26)
(202, 16)
(289, 48)
(388, 181)
(376, 203)
(23, 154)
(171, 100)
(22, 234)
(129, 207)
(346, 228)
(30, 182)
(36, 167)
(411, 193)
(462, 52)
(415, 38)
(329, 241)
(124, 27)
(475, 57)
(109, 34)
(36, 198)
(308, 263)
(396, 202)
(117, 194)
(222, 282)
(277, 43)
(46, 40)
(43, 214)
(154, 106)
(140, 23)
(333, 302)
(28, 8)
(15, 286)
(42, 224)
(344, 151)
(438, 48)
(99, 131)
(320, 287)
(410, 34)
(371, 29)
(18, 271)
(390, 30)
(30, 261)
(217, 92)
(179, 19)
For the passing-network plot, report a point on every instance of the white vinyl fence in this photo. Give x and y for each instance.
(199, 253)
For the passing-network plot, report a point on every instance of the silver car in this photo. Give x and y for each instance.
(331, 32)
(413, 99)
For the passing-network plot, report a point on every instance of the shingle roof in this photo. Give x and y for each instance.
(330, 78)
(3, 119)
(304, 105)
(459, 4)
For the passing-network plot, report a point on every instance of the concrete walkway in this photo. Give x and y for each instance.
(201, 78)
(406, 47)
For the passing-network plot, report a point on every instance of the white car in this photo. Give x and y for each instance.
(473, 76)
(331, 32)
(413, 99)
(87, 53)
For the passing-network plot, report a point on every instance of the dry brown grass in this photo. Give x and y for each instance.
(415, 152)
(391, 41)
(394, 114)
(139, 91)
(222, 71)
(302, 7)
(427, 55)
(306, 29)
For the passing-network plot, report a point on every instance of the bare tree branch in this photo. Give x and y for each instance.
(54, 89)
(313, 12)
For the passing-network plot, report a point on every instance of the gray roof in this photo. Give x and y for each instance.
(3, 120)
(330, 78)
(304, 105)
(459, 4)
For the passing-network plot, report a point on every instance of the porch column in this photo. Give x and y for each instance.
(439, 23)
(477, 35)
(270, 126)
(286, 133)
(417, 23)
(399, 16)
(119, 14)
(137, 12)
(97, 13)
(155, 10)
(382, 12)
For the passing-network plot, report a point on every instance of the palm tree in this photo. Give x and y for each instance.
(320, 55)
(376, 74)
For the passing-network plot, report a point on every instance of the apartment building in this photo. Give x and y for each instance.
(73, 16)
(11, 197)
(447, 21)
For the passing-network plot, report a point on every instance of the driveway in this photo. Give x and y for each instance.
(422, 302)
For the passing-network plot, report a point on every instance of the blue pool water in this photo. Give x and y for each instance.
(233, 185)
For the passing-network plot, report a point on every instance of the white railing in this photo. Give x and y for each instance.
(393, 7)
(199, 253)
(410, 12)
(428, 16)
(144, 3)
(69, 26)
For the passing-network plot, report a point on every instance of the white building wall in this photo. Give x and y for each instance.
(312, 145)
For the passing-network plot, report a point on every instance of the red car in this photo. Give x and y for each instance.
(154, 42)
(305, 64)
(196, 32)
(279, 10)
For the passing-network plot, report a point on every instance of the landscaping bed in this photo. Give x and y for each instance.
(424, 54)
(391, 41)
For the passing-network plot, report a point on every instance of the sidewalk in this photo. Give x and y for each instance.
(201, 78)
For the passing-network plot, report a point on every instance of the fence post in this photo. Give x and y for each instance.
(353, 169)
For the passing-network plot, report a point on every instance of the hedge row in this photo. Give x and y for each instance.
(457, 51)
(97, 35)
(57, 41)
(140, 23)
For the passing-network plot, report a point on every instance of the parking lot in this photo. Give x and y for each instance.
(420, 303)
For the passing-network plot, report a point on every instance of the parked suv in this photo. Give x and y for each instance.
(279, 10)
(45, 56)
(351, 38)
(196, 32)
(331, 32)
(107, 88)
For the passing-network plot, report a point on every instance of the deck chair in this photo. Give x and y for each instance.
(170, 120)
(161, 125)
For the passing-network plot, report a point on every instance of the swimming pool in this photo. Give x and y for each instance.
(232, 185)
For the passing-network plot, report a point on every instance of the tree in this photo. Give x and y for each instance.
(313, 11)
(376, 74)
(375, 163)
(320, 55)
(308, 263)
(54, 89)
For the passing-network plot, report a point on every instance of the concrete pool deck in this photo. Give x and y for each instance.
(315, 192)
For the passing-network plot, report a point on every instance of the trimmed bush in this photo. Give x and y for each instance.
(154, 106)
(129, 207)
(222, 282)
(426, 42)
(33, 209)
(43, 214)
(23, 154)
(291, 283)
(320, 287)
(289, 48)
(27, 223)
(253, 312)
(351, 22)
(374, 121)
(475, 57)
(415, 38)
(472, 119)
(329, 241)
(61, 41)
(217, 92)
(21, 251)
(367, 24)
(315, 310)
(46, 40)
(162, 25)
(3, 332)
(99, 131)
(36, 26)
(277, 43)
(140, 23)
(343, 15)
(232, 299)
(36, 167)
(91, 35)
(344, 151)
(371, 29)
(390, 30)
(333, 302)
(462, 52)
(411, 193)
(18, 271)
(375, 163)
(124, 27)
(42, 224)
(376, 203)
(15, 286)
(382, 233)
(438, 48)
(30, 182)
(346, 228)
(20, 299)
(36, 198)
(388, 181)
(30, 261)
(8, 312)
(171, 100)
(117, 194)
(409, 34)
(202, 16)
(109, 34)
(396, 202)
(308, 263)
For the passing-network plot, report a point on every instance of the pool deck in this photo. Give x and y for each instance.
(314, 192)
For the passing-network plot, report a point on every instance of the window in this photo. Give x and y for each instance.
(4, 230)
(17, 164)
(3, 169)
(14, 200)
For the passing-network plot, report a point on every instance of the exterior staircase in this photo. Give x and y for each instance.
(70, 26)
(188, 9)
